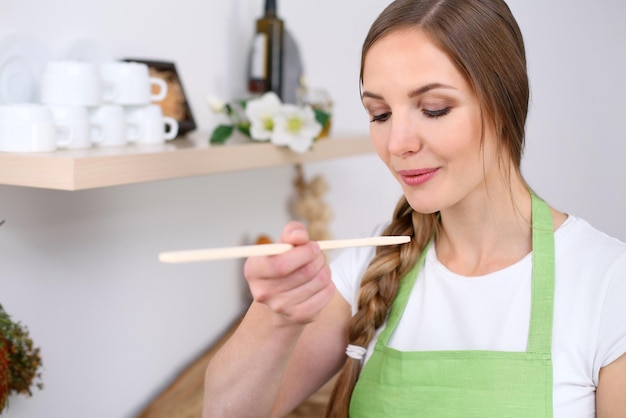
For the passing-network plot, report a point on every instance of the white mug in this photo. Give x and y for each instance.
(130, 83)
(30, 127)
(148, 125)
(84, 133)
(112, 120)
(71, 83)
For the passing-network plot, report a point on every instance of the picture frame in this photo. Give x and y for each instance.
(175, 103)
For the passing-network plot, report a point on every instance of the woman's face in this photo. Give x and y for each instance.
(426, 122)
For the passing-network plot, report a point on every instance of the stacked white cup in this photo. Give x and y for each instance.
(107, 104)
(86, 104)
(129, 85)
(61, 120)
(30, 127)
(69, 89)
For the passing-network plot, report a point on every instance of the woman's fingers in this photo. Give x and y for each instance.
(295, 284)
(294, 233)
(283, 265)
(293, 298)
(309, 302)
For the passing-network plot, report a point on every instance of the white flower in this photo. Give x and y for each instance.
(261, 113)
(295, 127)
(216, 105)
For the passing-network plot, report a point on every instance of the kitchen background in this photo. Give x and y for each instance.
(80, 269)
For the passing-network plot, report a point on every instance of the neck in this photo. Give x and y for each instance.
(487, 231)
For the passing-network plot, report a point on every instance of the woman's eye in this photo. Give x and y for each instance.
(436, 113)
(381, 117)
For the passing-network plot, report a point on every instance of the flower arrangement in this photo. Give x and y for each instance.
(266, 118)
(20, 360)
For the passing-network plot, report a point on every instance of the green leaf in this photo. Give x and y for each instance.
(243, 103)
(321, 117)
(244, 128)
(221, 134)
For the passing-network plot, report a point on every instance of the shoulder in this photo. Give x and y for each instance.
(590, 287)
(581, 243)
(589, 262)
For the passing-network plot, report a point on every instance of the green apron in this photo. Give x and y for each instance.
(467, 384)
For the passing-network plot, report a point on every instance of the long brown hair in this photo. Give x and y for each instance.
(483, 40)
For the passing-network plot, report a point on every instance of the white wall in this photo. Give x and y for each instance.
(80, 269)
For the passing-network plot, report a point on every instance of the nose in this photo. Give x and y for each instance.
(404, 136)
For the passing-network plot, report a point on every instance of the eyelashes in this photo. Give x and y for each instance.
(429, 113)
(437, 113)
(381, 117)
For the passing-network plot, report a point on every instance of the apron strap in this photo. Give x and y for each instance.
(542, 296)
(542, 302)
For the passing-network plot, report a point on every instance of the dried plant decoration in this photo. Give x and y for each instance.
(310, 207)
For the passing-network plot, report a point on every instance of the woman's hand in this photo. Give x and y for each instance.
(295, 285)
(296, 326)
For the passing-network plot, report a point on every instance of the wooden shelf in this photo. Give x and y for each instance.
(183, 157)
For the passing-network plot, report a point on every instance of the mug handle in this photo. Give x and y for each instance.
(172, 128)
(157, 97)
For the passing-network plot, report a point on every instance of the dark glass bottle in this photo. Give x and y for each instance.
(266, 59)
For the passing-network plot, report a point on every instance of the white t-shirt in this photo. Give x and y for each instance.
(447, 311)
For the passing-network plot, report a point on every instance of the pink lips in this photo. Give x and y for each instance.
(417, 177)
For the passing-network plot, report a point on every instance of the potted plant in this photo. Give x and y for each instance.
(20, 360)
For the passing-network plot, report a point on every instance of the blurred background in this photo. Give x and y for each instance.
(80, 269)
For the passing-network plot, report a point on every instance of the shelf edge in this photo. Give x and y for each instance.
(107, 168)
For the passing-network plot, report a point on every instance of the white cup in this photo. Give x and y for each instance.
(148, 125)
(71, 83)
(30, 127)
(130, 83)
(112, 120)
(84, 133)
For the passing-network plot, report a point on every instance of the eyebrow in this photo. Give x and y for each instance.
(412, 93)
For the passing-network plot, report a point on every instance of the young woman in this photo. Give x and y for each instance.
(498, 307)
